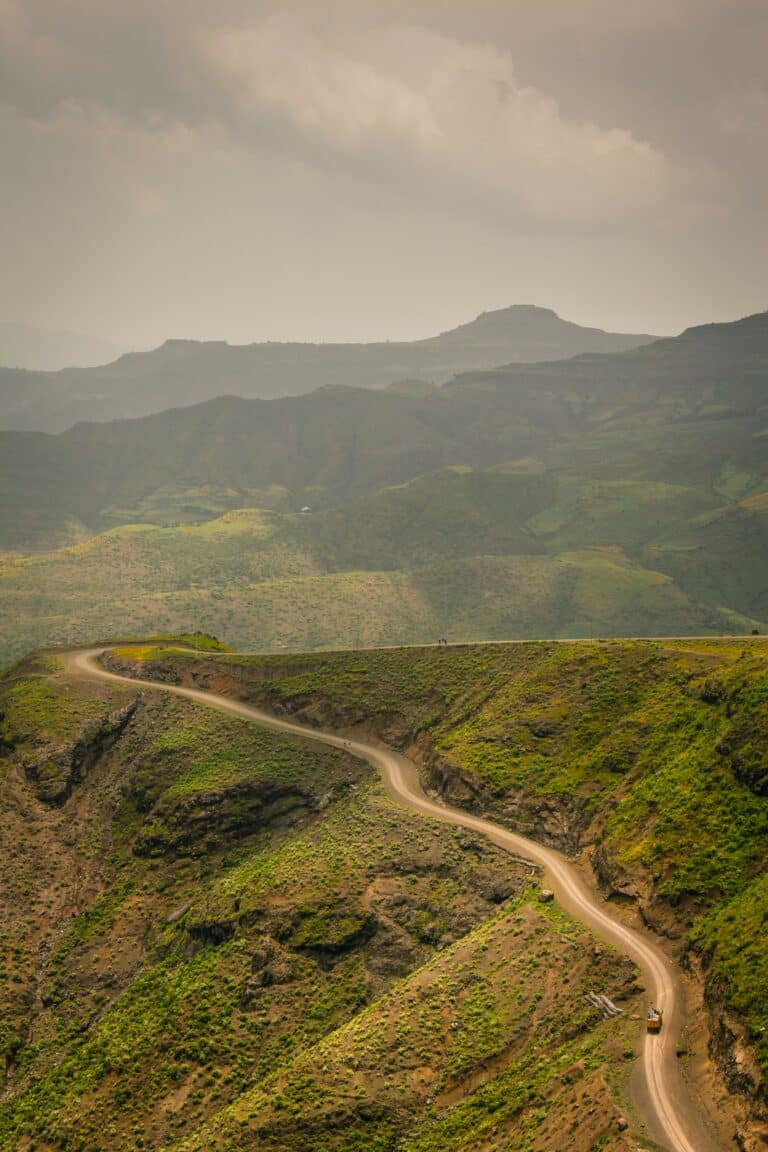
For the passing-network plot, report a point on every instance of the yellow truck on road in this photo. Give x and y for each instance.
(653, 1019)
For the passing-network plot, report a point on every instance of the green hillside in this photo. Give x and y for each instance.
(216, 937)
(648, 756)
(445, 560)
(213, 937)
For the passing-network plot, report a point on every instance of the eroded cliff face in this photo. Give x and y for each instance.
(57, 767)
(571, 822)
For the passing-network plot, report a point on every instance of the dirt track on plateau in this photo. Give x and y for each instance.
(671, 1116)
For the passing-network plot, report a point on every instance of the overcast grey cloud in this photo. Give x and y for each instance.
(277, 170)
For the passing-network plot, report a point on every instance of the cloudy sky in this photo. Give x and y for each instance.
(376, 168)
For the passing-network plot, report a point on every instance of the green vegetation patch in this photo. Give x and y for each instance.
(655, 751)
(477, 1044)
(47, 709)
(732, 939)
(288, 894)
(150, 646)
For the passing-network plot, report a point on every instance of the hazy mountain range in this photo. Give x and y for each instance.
(188, 371)
(629, 414)
(622, 494)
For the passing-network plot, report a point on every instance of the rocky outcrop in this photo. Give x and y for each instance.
(635, 888)
(559, 822)
(270, 965)
(56, 769)
(329, 931)
(730, 1047)
(195, 824)
(7, 742)
(743, 747)
(616, 883)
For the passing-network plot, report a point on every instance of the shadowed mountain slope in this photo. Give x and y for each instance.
(623, 495)
(188, 371)
(679, 410)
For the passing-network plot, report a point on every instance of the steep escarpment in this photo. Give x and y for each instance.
(646, 757)
(217, 937)
(56, 768)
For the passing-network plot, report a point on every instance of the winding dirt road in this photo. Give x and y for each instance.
(671, 1116)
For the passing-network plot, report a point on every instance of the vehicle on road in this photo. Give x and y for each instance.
(653, 1019)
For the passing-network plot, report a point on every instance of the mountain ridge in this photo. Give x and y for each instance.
(670, 405)
(621, 495)
(182, 372)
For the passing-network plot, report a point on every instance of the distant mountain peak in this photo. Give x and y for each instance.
(521, 310)
(539, 332)
(511, 318)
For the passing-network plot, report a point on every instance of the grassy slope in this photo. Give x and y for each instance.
(652, 752)
(403, 1067)
(465, 554)
(215, 922)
